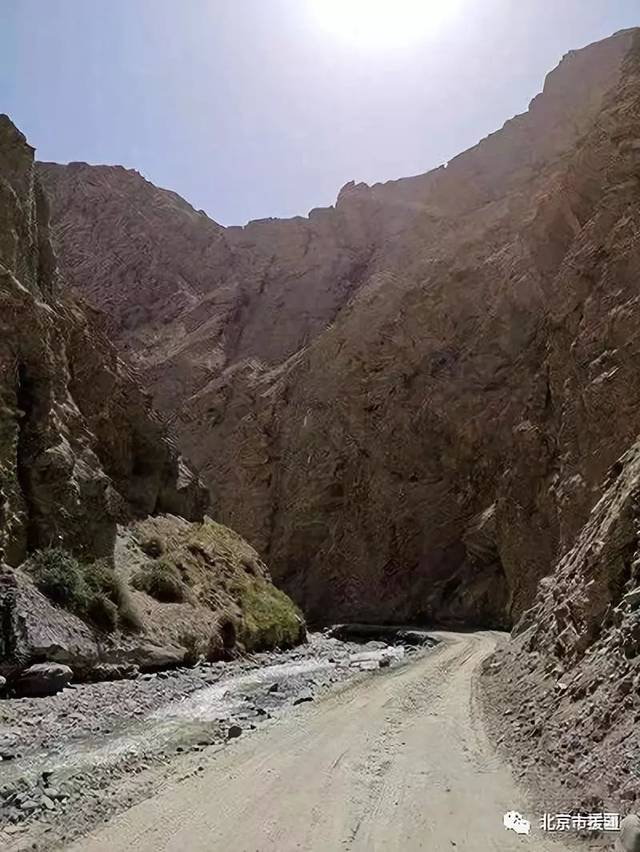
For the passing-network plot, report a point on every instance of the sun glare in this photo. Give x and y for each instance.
(383, 23)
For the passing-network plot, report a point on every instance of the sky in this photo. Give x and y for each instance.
(256, 108)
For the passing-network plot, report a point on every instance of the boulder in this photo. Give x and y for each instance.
(367, 665)
(43, 679)
(364, 657)
(151, 657)
(415, 637)
(33, 630)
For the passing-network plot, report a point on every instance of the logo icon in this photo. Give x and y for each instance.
(514, 821)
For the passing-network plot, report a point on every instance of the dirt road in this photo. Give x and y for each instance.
(399, 762)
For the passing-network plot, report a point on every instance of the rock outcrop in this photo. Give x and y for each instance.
(80, 447)
(408, 401)
(43, 679)
(569, 683)
(81, 452)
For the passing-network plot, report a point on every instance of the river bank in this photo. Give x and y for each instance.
(75, 759)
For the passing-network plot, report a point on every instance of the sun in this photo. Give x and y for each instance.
(383, 23)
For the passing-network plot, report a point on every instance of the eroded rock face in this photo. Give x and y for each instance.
(80, 447)
(82, 453)
(567, 688)
(408, 401)
(32, 630)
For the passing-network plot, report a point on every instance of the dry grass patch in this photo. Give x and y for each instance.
(210, 566)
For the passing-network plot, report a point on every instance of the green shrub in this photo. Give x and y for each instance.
(61, 578)
(103, 579)
(270, 619)
(112, 603)
(102, 612)
(162, 581)
(94, 592)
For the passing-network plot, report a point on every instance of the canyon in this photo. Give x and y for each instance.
(407, 402)
(420, 405)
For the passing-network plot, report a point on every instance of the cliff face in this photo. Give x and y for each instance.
(571, 677)
(105, 554)
(568, 685)
(408, 401)
(80, 446)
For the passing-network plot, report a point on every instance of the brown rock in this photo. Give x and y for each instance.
(150, 657)
(408, 401)
(79, 444)
(35, 630)
(81, 449)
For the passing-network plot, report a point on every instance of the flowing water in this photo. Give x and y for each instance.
(246, 698)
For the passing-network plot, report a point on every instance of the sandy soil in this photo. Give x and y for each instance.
(398, 762)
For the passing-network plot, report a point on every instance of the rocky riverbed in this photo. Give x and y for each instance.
(74, 759)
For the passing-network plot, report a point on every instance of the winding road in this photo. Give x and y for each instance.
(399, 761)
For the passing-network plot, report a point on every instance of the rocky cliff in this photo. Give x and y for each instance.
(81, 447)
(408, 401)
(567, 688)
(81, 451)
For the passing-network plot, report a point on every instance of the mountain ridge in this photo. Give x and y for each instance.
(372, 388)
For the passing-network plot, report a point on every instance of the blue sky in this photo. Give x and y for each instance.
(253, 108)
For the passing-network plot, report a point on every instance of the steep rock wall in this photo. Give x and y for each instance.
(407, 401)
(80, 446)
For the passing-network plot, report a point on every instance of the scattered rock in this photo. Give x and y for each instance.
(113, 671)
(233, 732)
(53, 793)
(48, 803)
(303, 698)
